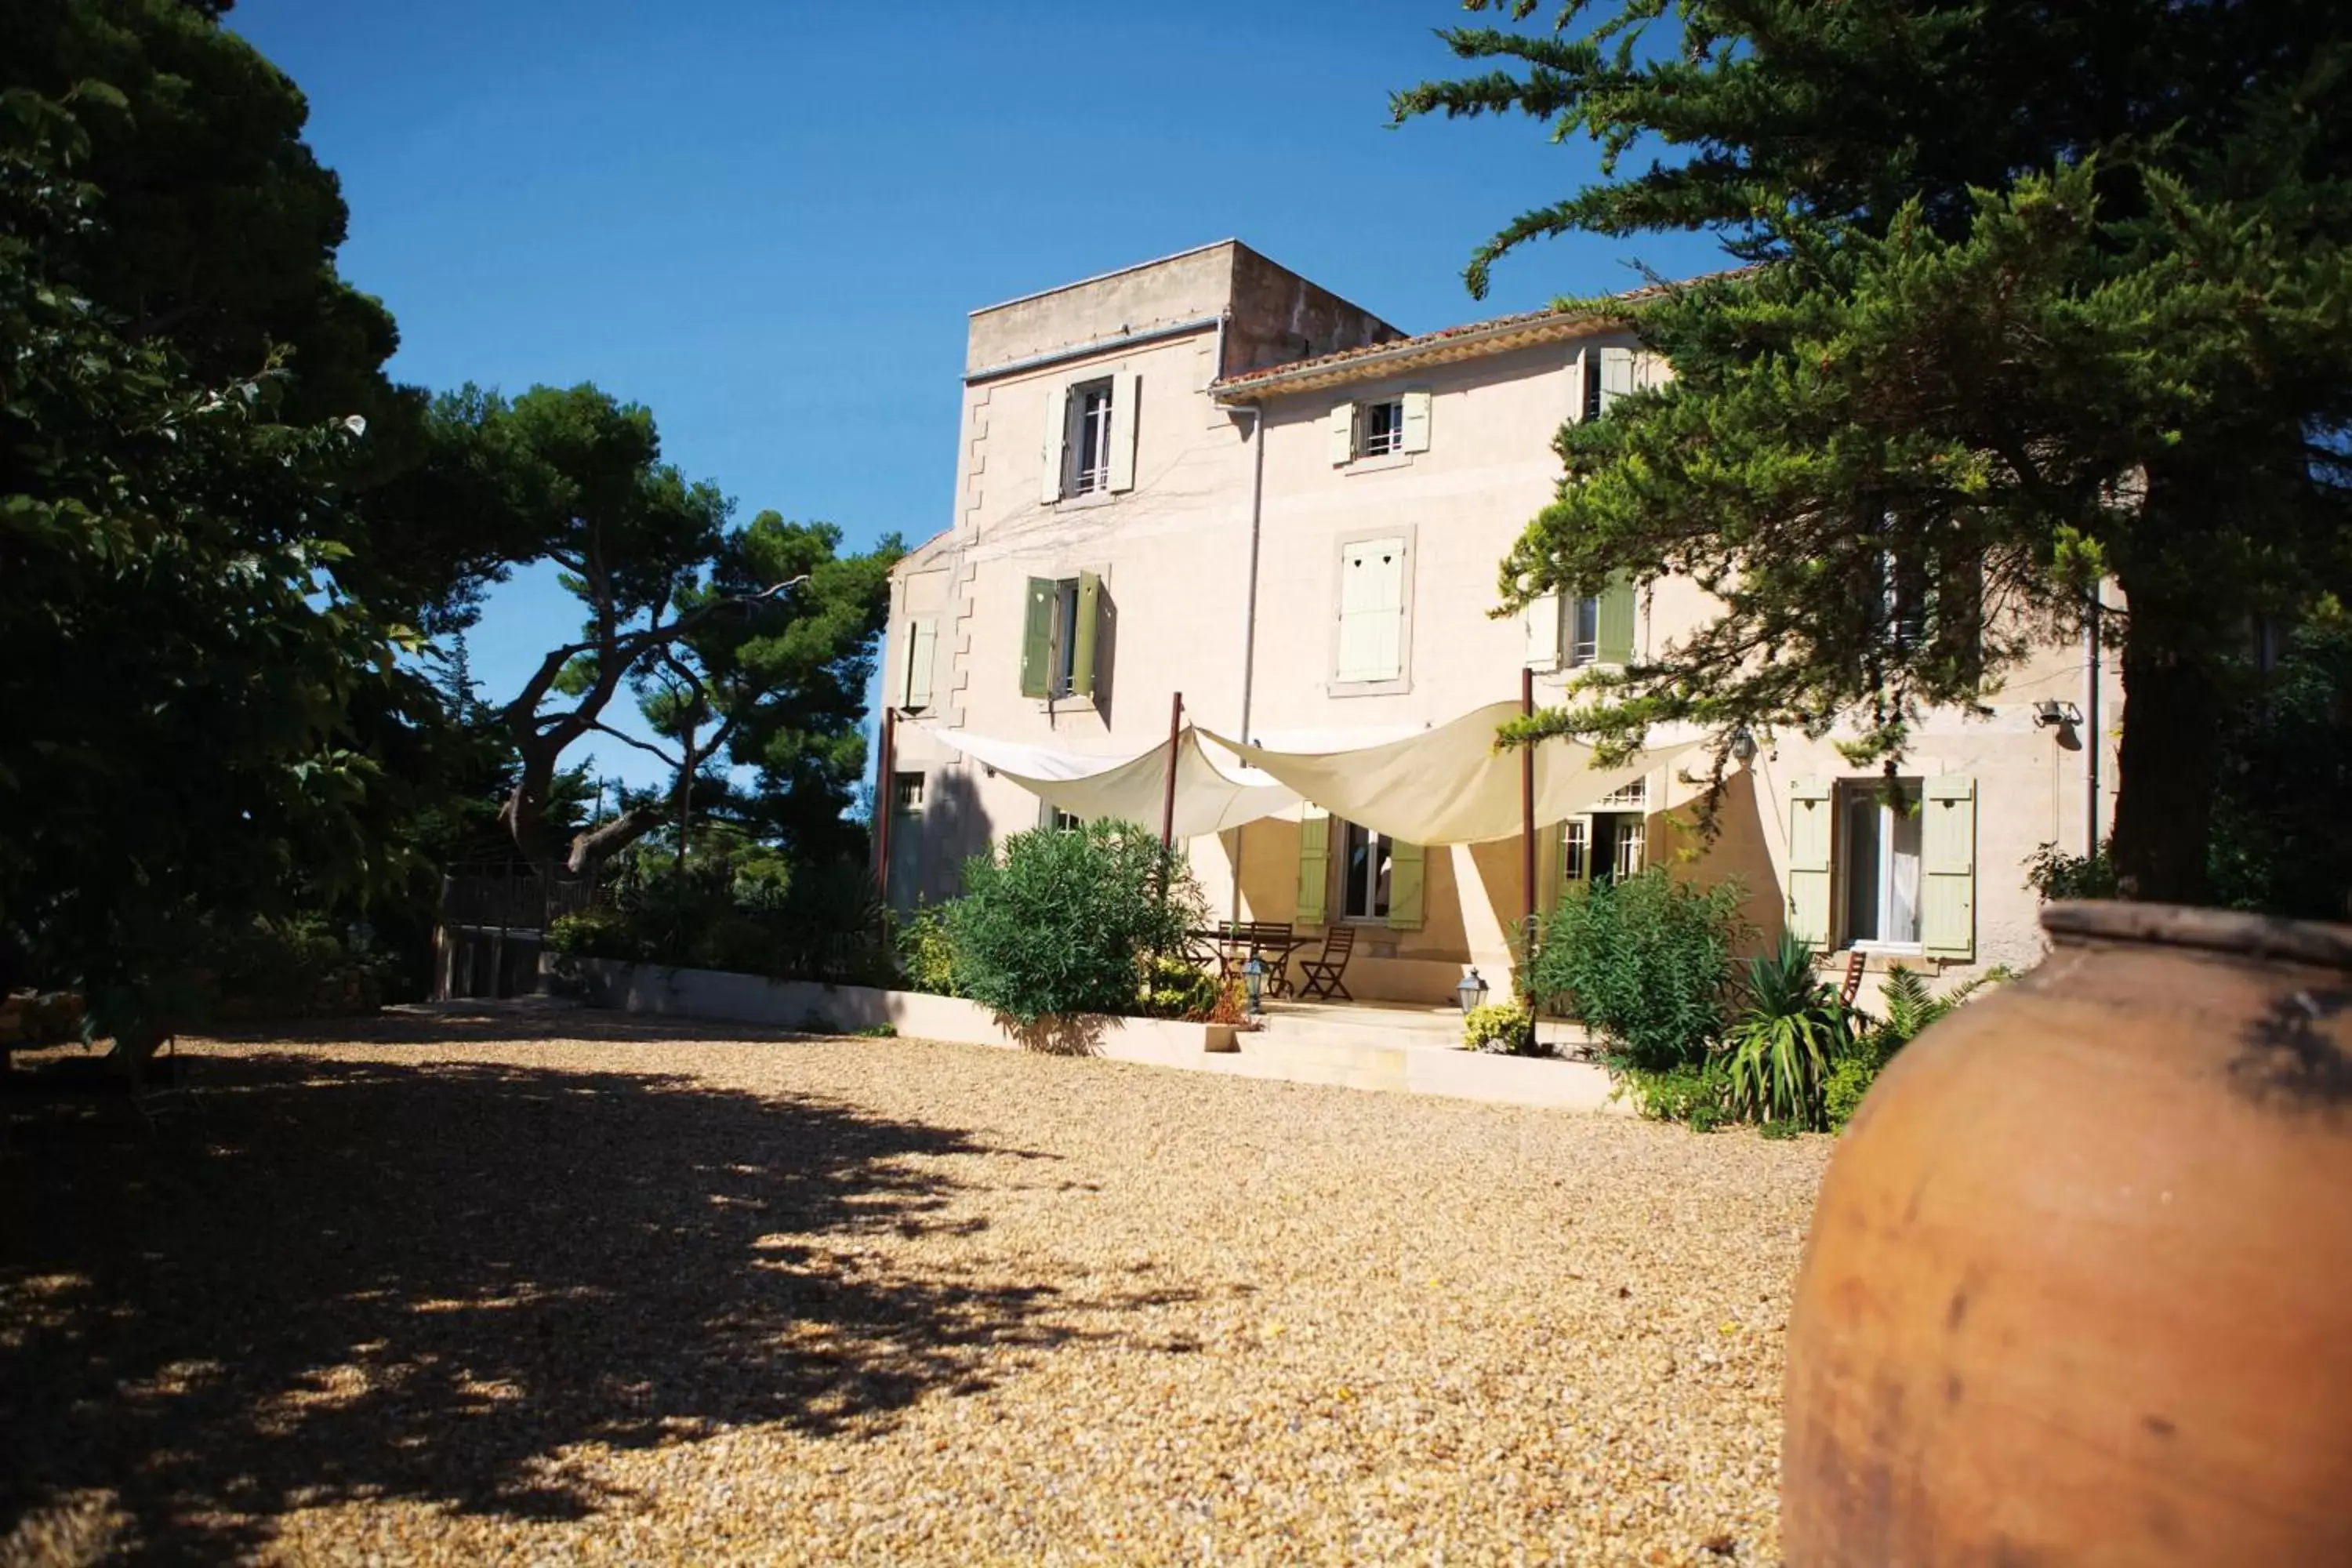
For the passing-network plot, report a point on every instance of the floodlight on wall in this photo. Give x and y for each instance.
(1743, 745)
(2048, 712)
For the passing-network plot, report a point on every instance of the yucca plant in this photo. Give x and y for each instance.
(1780, 1048)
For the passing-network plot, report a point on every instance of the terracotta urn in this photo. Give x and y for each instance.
(2079, 1284)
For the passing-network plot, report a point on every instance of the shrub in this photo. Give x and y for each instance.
(263, 968)
(1780, 1048)
(1911, 1009)
(1646, 961)
(593, 932)
(1850, 1079)
(1692, 1095)
(1503, 1028)
(1232, 1006)
(927, 953)
(1176, 987)
(1058, 922)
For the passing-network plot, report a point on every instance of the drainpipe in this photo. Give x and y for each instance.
(2092, 738)
(1249, 612)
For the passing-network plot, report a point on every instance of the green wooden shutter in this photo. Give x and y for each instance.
(1616, 642)
(1811, 821)
(1948, 867)
(1314, 866)
(1082, 665)
(1408, 885)
(1037, 640)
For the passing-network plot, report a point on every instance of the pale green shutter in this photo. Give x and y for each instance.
(1614, 645)
(1811, 821)
(1340, 435)
(922, 644)
(1408, 885)
(1541, 618)
(1125, 396)
(1037, 640)
(1082, 667)
(1049, 456)
(1616, 375)
(1371, 610)
(1416, 422)
(1314, 866)
(1948, 866)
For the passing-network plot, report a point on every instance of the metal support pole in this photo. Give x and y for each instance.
(1167, 801)
(1528, 833)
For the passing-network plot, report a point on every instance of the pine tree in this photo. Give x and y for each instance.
(2038, 295)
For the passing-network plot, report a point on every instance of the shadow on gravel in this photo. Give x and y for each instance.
(420, 1280)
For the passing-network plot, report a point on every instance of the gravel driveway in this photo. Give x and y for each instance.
(445, 1288)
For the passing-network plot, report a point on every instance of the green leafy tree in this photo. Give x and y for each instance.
(2038, 295)
(202, 723)
(773, 682)
(747, 645)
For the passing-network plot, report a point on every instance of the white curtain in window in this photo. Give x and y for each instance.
(1903, 873)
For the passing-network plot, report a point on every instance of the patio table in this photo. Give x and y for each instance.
(1233, 943)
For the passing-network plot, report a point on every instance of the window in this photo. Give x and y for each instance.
(1576, 848)
(1062, 642)
(1386, 427)
(906, 793)
(1584, 631)
(1904, 597)
(1089, 438)
(1054, 820)
(1879, 884)
(1632, 834)
(1609, 374)
(1089, 442)
(1364, 870)
(1373, 592)
(1065, 643)
(1380, 429)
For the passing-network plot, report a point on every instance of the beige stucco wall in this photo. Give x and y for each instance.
(1174, 557)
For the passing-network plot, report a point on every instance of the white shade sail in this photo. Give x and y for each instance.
(1213, 790)
(1444, 785)
(1449, 784)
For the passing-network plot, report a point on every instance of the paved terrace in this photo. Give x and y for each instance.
(448, 1289)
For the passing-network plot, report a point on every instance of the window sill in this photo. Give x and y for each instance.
(1090, 499)
(1382, 464)
(1368, 688)
(1069, 702)
(1888, 948)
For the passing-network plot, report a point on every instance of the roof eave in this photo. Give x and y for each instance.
(1388, 359)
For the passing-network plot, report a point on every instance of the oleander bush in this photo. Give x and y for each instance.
(1060, 923)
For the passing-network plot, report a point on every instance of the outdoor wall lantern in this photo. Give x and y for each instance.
(1743, 746)
(2062, 715)
(1253, 974)
(1472, 992)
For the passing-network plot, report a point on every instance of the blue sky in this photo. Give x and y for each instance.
(767, 221)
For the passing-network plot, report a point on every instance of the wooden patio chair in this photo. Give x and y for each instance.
(1321, 975)
(1856, 963)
